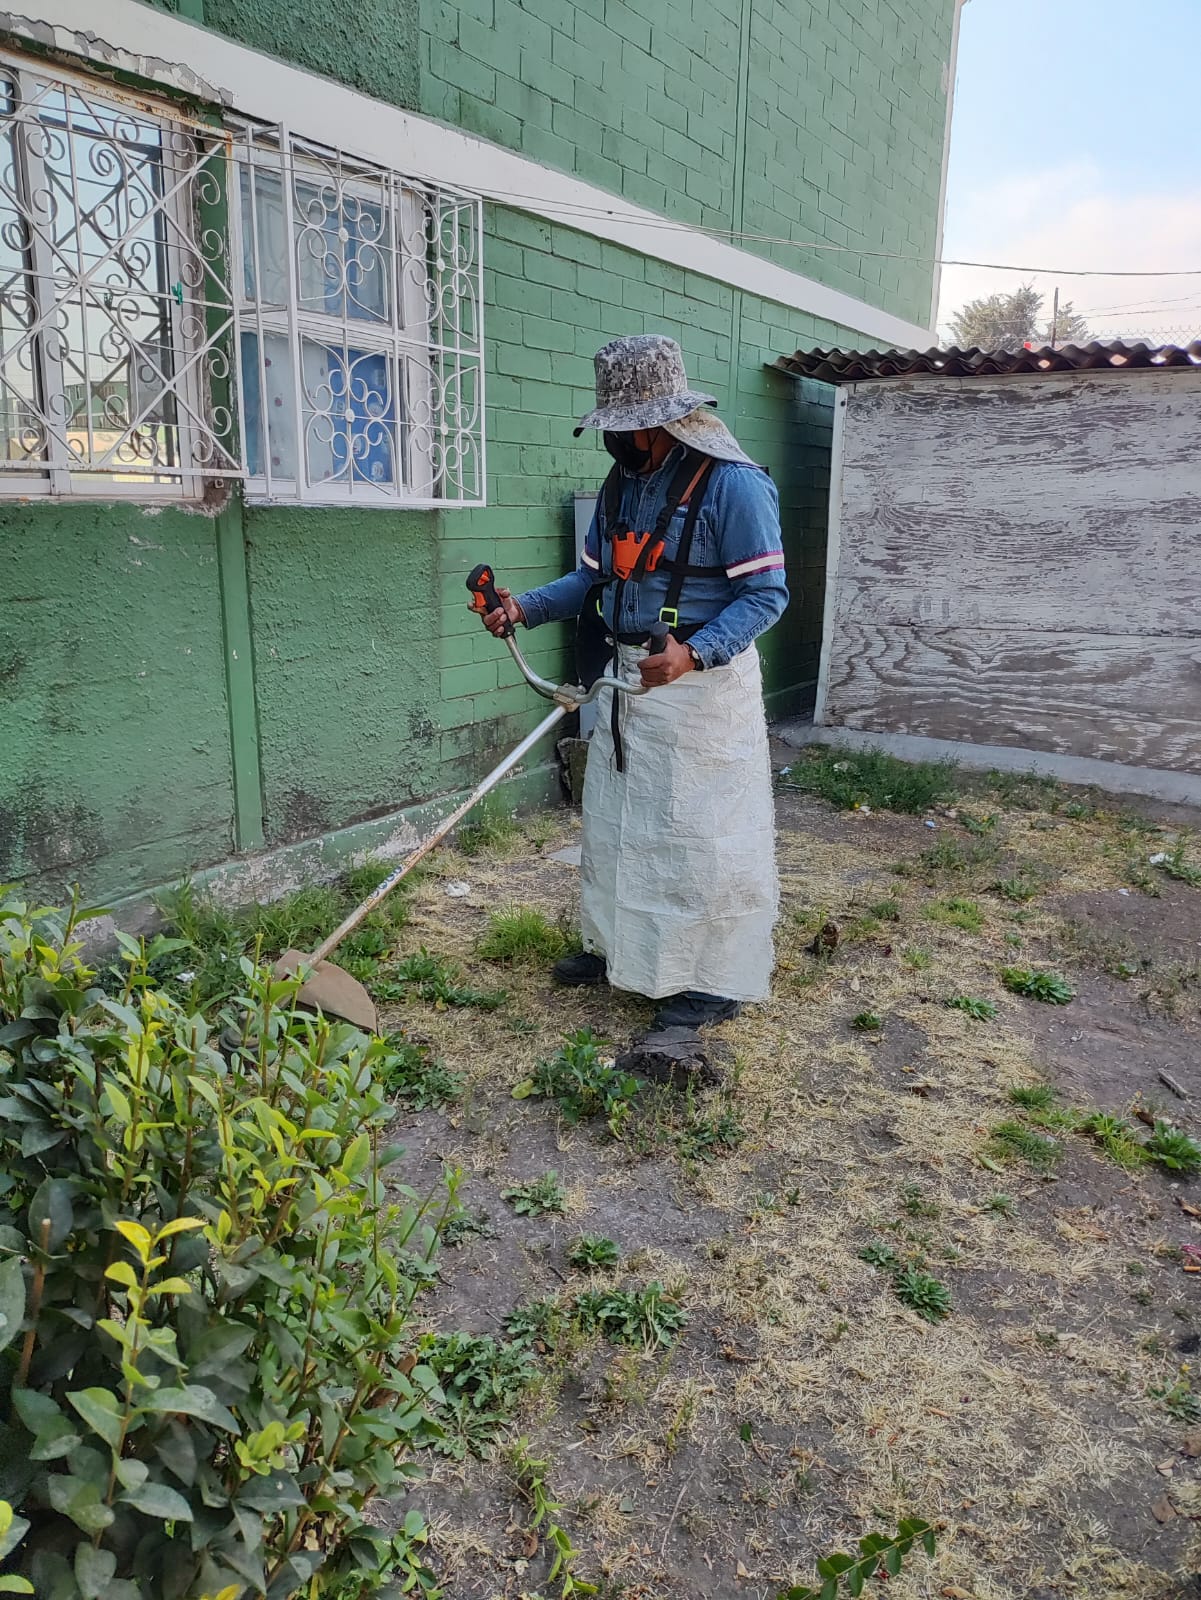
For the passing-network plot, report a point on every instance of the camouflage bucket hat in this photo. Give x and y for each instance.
(641, 383)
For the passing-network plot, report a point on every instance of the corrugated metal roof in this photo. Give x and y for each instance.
(849, 366)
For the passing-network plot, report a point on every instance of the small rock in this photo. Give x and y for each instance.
(458, 890)
(571, 855)
(1163, 1510)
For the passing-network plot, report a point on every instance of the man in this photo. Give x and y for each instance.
(678, 891)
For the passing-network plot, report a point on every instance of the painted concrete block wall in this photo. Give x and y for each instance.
(822, 119)
(113, 719)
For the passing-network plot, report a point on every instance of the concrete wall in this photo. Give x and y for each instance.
(182, 686)
(1018, 565)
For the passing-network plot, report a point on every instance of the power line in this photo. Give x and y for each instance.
(569, 208)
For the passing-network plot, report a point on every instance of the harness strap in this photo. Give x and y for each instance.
(669, 612)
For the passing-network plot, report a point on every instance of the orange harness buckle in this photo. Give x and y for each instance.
(631, 558)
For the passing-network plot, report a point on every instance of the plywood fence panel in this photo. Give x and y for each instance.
(1019, 562)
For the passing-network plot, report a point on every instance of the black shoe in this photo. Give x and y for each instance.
(581, 971)
(693, 1010)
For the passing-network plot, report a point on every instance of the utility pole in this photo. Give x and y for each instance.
(1055, 317)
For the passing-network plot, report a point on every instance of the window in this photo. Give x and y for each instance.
(358, 299)
(115, 311)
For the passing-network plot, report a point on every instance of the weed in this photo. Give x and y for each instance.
(959, 855)
(915, 1204)
(886, 910)
(979, 1010)
(923, 1294)
(882, 1256)
(978, 825)
(482, 1381)
(409, 1072)
(522, 936)
(583, 1083)
(1045, 986)
(436, 981)
(492, 830)
(1032, 1096)
(538, 1324)
(1001, 1205)
(537, 1197)
(919, 959)
(867, 1022)
(1173, 1149)
(1020, 886)
(1012, 1140)
(1178, 1399)
(1174, 865)
(1116, 1138)
(592, 1251)
(955, 913)
(463, 1225)
(647, 1317)
(365, 879)
(531, 1474)
(871, 778)
(706, 1137)
(1023, 791)
(682, 1420)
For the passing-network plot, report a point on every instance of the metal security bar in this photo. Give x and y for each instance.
(116, 316)
(359, 305)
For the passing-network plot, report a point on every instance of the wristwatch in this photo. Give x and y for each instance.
(697, 664)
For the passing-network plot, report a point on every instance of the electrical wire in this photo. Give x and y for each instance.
(640, 220)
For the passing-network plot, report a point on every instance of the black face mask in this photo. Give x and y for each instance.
(625, 452)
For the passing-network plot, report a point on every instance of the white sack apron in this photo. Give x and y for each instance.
(678, 885)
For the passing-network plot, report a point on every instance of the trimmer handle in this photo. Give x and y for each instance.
(660, 634)
(481, 581)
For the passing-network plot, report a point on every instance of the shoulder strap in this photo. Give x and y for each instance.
(610, 501)
(670, 611)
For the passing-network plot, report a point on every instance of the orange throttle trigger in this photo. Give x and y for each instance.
(481, 581)
(633, 554)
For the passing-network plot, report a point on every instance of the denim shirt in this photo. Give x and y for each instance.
(738, 529)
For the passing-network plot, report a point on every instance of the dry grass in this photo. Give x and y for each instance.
(1020, 1425)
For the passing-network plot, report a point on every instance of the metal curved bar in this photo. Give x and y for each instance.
(568, 694)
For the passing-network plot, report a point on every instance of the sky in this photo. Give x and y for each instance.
(1076, 143)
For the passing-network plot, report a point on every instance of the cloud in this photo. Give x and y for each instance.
(1070, 216)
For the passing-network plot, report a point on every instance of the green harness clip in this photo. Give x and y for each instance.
(670, 615)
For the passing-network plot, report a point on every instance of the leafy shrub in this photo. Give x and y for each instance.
(1117, 1138)
(522, 935)
(704, 1138)
(582, 1082)
(1173, 1149)
(1178, 1400)
(978, 1010)
(537, 1197)
(1044, 986)
(215, 1370)
(869, 777)
(867, 1022)
(878, 1553)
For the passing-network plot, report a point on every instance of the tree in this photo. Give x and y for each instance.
(1069, 327)
(1009, 321)
(999, 321)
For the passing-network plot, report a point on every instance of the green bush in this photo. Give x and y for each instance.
(209, 1367)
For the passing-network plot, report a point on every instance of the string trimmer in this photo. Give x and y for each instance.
(328, 987)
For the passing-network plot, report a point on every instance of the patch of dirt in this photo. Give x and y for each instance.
(805, 1404)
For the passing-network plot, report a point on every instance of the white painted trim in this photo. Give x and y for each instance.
(952, 69)
(183, 56)
(1179, 788)
(833, 552)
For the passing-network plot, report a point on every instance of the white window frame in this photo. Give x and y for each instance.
(430, 335)
(188, 276)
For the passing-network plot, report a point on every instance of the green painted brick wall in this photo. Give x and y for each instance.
(811, 120)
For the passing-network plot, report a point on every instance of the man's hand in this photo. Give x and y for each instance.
(508, 613)
(673, 662)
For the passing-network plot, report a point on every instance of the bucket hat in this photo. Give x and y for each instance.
(641, 383)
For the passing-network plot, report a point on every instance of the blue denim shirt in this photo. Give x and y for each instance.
(738, 529)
